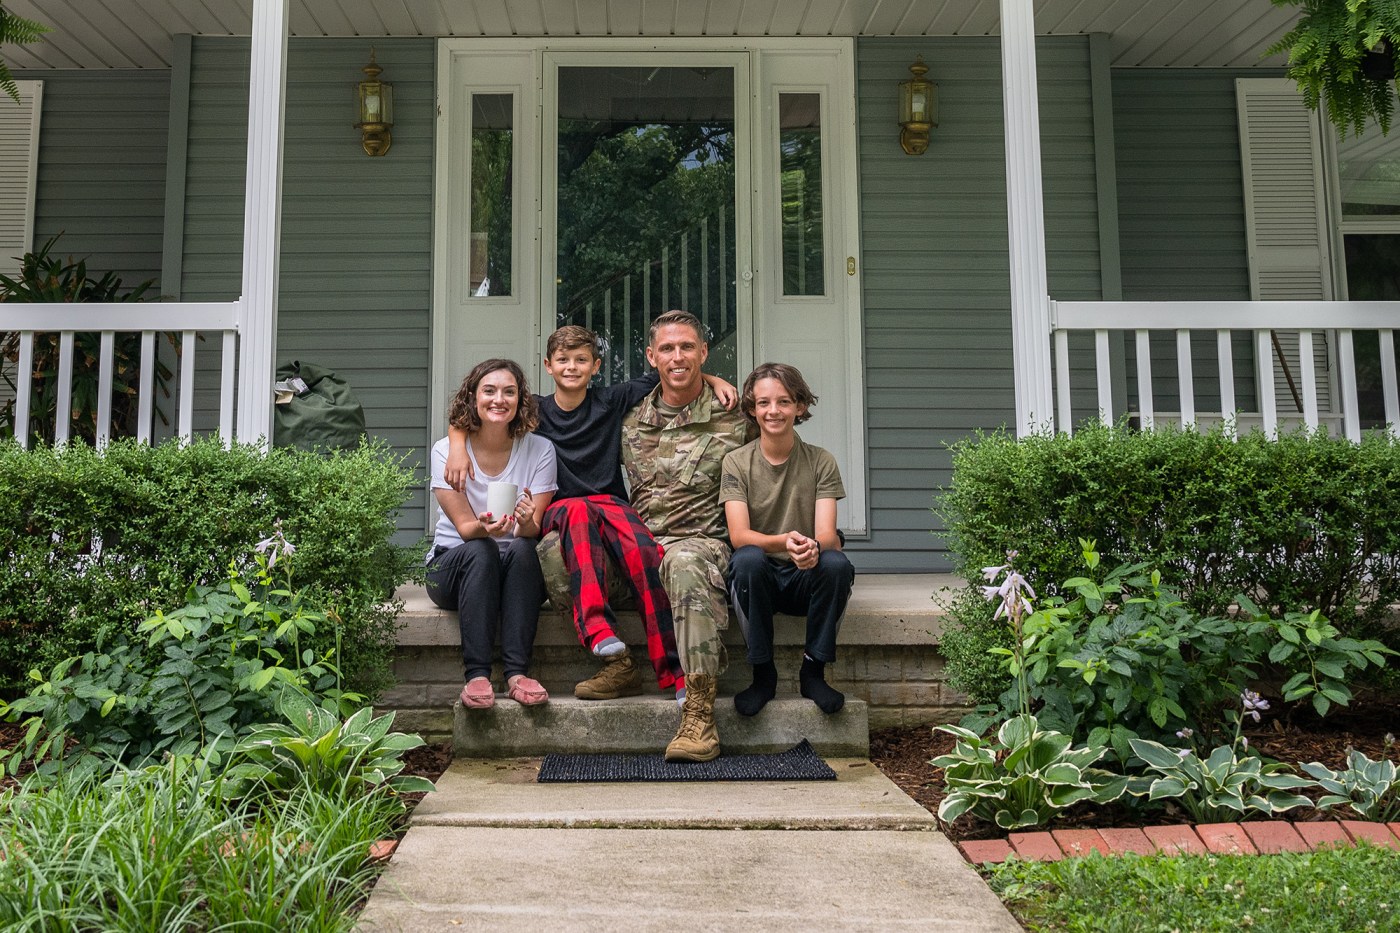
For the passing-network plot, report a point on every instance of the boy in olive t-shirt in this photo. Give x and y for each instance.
(779, 496)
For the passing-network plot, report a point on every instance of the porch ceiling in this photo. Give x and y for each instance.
(1146, 33)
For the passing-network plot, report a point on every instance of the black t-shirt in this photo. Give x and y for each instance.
(588, 440)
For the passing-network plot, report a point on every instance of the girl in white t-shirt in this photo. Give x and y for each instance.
(484, 566)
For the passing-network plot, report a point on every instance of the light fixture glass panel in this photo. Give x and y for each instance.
(800, 153)
(492, 204)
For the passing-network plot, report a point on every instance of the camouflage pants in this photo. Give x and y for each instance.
(693, 573)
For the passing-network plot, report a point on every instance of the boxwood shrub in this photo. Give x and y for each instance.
(1302, 522)
(93, 542)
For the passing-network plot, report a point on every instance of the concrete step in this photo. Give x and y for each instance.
(643, 725)
(478, 792)
(887, 655)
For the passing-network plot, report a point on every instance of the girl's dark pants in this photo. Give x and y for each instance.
(494, 591)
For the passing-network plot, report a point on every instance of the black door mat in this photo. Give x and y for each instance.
(799, 763)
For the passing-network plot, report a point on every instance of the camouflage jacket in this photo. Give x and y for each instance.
(673, 465)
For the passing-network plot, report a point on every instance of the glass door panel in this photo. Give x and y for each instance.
(645, 206)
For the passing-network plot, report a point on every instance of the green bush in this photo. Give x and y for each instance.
(212, 671)
(163, 849)
(92, 543)
(1305, 521)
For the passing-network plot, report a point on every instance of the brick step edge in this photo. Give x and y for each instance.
(1263, 837)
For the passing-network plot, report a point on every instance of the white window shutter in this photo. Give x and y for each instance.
(19, 167)
(1285, 218)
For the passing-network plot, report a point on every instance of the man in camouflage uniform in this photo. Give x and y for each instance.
(673, 445)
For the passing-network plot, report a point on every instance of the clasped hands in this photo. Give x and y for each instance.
(803, 550)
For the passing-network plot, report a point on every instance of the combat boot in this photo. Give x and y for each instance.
(696, 739)
(618, 678)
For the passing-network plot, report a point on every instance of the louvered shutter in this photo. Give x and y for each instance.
(1286, 218)
(19, 165)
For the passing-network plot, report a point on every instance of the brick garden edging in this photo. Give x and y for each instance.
(1255, 838)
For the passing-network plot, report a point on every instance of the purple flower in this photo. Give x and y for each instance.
(1253, 703)
(275, 545)
(1184, 733)
(1182, 753)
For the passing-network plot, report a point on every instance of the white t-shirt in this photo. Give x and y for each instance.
(531, 466)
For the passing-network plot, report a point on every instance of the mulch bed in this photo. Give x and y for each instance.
(903, 754)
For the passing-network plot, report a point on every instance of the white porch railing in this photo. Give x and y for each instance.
(108, 319)
(1311, 319)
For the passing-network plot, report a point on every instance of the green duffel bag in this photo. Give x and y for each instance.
(315, 408)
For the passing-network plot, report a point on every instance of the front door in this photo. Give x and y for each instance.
(602, 182)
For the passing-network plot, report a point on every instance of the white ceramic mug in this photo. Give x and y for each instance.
(501, 499)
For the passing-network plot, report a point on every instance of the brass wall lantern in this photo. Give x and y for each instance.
(376, 109)
(918, 109)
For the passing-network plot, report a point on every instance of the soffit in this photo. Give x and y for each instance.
(104, 34)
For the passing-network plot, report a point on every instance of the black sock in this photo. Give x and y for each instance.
(757, 694)
(814, 687)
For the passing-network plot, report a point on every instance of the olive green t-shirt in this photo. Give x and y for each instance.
(781, 498)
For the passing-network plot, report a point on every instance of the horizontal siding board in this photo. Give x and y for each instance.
(356, 231)
(936, 287)
(1181, 215)
(101, 178)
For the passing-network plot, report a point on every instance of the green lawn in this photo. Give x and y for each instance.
(1343, 890)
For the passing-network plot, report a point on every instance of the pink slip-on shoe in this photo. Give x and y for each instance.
(478, 694)
(526, 691)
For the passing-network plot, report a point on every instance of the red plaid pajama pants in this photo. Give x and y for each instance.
(590, 527)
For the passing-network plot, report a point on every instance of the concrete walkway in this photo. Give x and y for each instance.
(492, 849)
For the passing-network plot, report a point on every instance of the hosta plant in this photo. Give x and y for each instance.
(1023, 777)
(317, 749)
(1223, 787)
(1370, 788)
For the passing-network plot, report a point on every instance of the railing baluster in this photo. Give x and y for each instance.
(665, 279)
(1186, 382)
(186, 422)
(63, 411)
(1062, 398)
(227, 388)
(146, 391)
(1307, 371)
(723, 277)
(1103, 364)
(1388, 381)
(1144, 369)
(24, 387)
(1225, 355)
(607, 322)
(626, 329)
(1346, 366)
(683, 285)
(705, 272)
(1264, 366)
(106, 349)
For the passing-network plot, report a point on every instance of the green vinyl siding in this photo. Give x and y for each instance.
(1181, 214)
(937, 302)
(356, 278)
(101, 178)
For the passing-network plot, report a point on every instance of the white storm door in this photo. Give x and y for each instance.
(808, 284)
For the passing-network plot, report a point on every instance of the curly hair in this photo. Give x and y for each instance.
(462, 412)
(792, 380)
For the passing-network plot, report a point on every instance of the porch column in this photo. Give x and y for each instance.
(1025, 214)
(262, 221)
